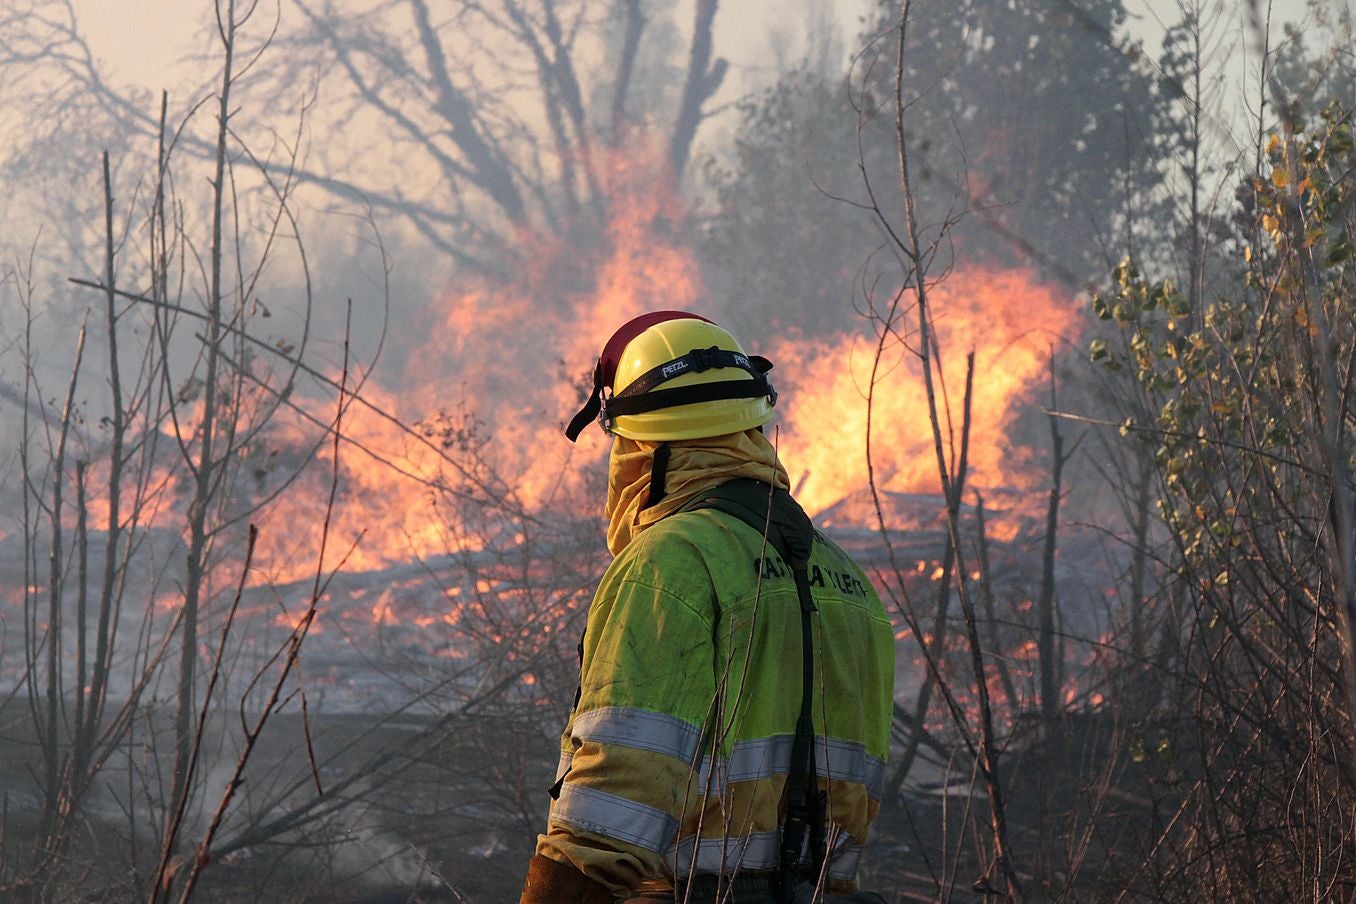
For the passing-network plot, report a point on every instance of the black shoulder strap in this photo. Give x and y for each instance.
(778, 517)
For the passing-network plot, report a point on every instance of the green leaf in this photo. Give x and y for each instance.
(1340, 252)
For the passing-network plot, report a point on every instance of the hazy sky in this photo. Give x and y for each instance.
(141, 40)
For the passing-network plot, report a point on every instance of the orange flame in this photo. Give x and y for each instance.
(1008, 318)
(500, 371)
(486, 389)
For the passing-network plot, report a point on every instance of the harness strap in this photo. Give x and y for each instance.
(777, 516)
(589, 412)
(659, 471)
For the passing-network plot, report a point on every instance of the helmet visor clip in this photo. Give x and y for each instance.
(604, 419)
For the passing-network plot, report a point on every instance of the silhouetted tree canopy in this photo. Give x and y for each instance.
(1033, 122)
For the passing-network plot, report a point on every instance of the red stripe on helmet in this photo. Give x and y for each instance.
(611, 356)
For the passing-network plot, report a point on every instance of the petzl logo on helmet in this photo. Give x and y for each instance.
(674, 367)
(743, 362)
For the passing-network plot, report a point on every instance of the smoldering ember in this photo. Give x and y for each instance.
(299, 296)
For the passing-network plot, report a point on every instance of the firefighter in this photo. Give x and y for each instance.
(677, 778)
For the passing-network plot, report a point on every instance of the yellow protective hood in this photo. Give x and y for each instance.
(695, 465)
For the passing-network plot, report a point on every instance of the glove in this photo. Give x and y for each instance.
(552, 882)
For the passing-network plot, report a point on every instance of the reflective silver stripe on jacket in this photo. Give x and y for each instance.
(615, 817)
(748, 761)
(755, 851)
(639, 728)
(845, 858)
(763, 758)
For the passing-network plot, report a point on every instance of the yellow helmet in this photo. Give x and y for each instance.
(675, 376)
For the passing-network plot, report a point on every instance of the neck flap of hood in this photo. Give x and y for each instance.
(694, 466)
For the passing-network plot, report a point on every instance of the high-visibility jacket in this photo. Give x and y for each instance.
(675, 756)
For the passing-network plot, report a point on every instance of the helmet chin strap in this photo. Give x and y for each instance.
(659, 470)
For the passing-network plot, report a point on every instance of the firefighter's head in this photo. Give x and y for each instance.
(671, 375)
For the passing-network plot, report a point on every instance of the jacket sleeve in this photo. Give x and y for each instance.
(551, 882)
(631, 753)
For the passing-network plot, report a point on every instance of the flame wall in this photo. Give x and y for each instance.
(1008, 318)
(505, 364)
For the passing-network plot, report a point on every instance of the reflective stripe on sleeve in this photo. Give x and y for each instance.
(639, 728)
(758, 850)
(615, 817)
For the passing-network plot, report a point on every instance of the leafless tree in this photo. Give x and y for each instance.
(474, 123)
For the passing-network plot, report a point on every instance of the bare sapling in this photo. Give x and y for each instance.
(916, 257)
(290, 662)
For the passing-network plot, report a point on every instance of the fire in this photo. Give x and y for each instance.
(453, 448)
(384, 509)
(294, 620)
(1008, 317)
(498, 367)
(497, 372)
